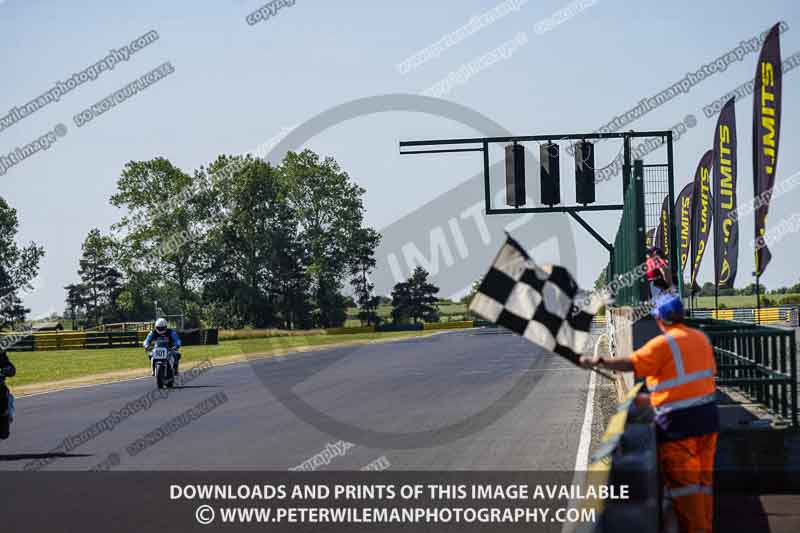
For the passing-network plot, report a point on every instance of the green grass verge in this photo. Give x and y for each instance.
(40, 367)
(448, 312)
(739, 300)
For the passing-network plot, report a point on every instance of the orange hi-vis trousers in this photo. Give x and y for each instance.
(687, 466)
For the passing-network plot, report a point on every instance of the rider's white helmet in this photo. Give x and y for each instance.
(161, 324)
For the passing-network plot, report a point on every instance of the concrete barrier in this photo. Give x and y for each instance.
(626, 456)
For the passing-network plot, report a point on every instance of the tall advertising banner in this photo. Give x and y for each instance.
(702, 212)
(683, 209)
(662, 230)
(649, 236)
(657, 235)
(726, 225)
(766, 131)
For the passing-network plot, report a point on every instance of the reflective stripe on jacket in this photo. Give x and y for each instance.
(679, 368)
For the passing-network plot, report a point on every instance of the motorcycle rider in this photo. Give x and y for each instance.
(161, 331)
(7, 370)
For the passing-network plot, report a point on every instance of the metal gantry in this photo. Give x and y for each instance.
(481, 144)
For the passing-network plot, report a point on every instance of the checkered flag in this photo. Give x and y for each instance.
(541, 303)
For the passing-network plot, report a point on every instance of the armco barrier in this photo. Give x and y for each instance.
(784, 315)
(122, 339)
(82, 340)
(18, 344)
(59, 341)
(722, 314)
(399, 327)
(462, 324)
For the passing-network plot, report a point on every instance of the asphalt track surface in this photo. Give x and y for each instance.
(396, 387)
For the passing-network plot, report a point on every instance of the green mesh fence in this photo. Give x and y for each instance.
(629, 247)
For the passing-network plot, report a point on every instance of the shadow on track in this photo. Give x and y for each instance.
(30, 456)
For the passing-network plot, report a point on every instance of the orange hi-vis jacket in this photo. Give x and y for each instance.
(679, 367)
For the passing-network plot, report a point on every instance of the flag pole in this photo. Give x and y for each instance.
(691, 283)
(758, 298)
(716, 281)
(604, 374)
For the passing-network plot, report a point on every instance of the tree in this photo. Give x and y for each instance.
(415, 299)
(750, 290)
(467, 300)
(159, 231)
(707, 289)
(76, 301)
(253, 260)
(366, 241)
(329, 212)
(100, 280)
(13, 311)
(137, 299)
(18, 267)
(602, 280)
(291, 283)
(473, 290)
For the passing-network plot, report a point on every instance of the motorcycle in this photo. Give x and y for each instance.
(162, 361)
(6, 409)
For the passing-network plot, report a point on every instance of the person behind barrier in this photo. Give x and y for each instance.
(679, 369)
(658, 273)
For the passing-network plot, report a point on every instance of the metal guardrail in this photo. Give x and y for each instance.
(21, 343)
(759, 361)
(84, 340)
(784, 315)
(118, 339)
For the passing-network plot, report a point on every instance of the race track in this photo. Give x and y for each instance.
(458, 401)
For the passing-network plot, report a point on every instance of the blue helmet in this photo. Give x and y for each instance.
(668, 308)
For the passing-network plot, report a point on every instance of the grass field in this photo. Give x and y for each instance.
(456, 311)
(450, 312)
(39, 367)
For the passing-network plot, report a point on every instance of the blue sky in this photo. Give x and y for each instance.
(236, 86)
